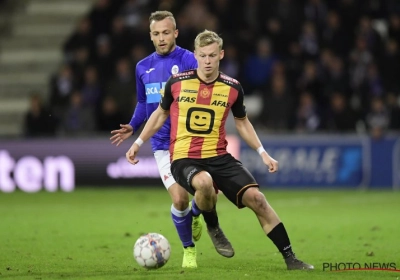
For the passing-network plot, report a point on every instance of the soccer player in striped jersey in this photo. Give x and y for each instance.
(151, 75)
(198, 102)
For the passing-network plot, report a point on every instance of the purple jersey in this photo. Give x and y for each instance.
(152, 73)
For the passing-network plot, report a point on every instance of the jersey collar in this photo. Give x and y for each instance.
(209, 83)
(171, 54)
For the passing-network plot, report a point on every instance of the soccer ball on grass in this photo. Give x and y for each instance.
(152, 250)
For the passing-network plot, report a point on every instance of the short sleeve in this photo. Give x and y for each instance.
(238, 107)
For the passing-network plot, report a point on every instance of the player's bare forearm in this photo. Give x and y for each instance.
(249, 135)
(247, 132)
(155, 122)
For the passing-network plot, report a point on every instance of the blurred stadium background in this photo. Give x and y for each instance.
(322, 83)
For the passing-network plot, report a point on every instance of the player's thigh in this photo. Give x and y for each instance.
(164, 167)
(232, 178)
(184, 170)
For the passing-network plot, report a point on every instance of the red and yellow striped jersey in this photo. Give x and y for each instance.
(198, 112)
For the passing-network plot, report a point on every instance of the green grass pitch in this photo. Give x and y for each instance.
(89, 234)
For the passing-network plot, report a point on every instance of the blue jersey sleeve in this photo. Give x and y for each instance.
(139, 115)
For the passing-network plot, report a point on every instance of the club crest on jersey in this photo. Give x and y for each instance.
(175, 69)
(205, 93)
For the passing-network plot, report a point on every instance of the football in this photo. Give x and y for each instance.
(152, 250)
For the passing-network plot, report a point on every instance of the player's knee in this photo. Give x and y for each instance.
(255, 200)
(180, 198)
(203, 183)
(180, 203)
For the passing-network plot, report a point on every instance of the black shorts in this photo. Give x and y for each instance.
(228, 174)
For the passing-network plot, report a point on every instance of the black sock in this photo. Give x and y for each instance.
(211, 218)
(189, 246)
(279, 236)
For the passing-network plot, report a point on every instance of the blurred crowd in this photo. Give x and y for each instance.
(306, 66)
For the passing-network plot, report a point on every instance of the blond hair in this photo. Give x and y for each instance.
(206, 38)
(160, 15)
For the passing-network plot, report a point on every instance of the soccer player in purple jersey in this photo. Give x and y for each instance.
(151, 75)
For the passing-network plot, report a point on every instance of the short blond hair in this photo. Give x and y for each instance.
(206, 38)
(160, 15)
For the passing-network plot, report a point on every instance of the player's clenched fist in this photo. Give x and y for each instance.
(131, 154)
(270, 162)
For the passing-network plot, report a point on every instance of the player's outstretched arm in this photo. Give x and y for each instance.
(139, 115)
(249, 135)
(155, 122)
(138, 118)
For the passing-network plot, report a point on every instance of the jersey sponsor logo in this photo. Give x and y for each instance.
(151, 69)
(188, 99)
(220, 103)
(183, 77)
(219, 94)
(183, 74)
(154, 92)
(189, 90)
(227, 78)
(185, 99)
(175, 69)
(200, 120)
